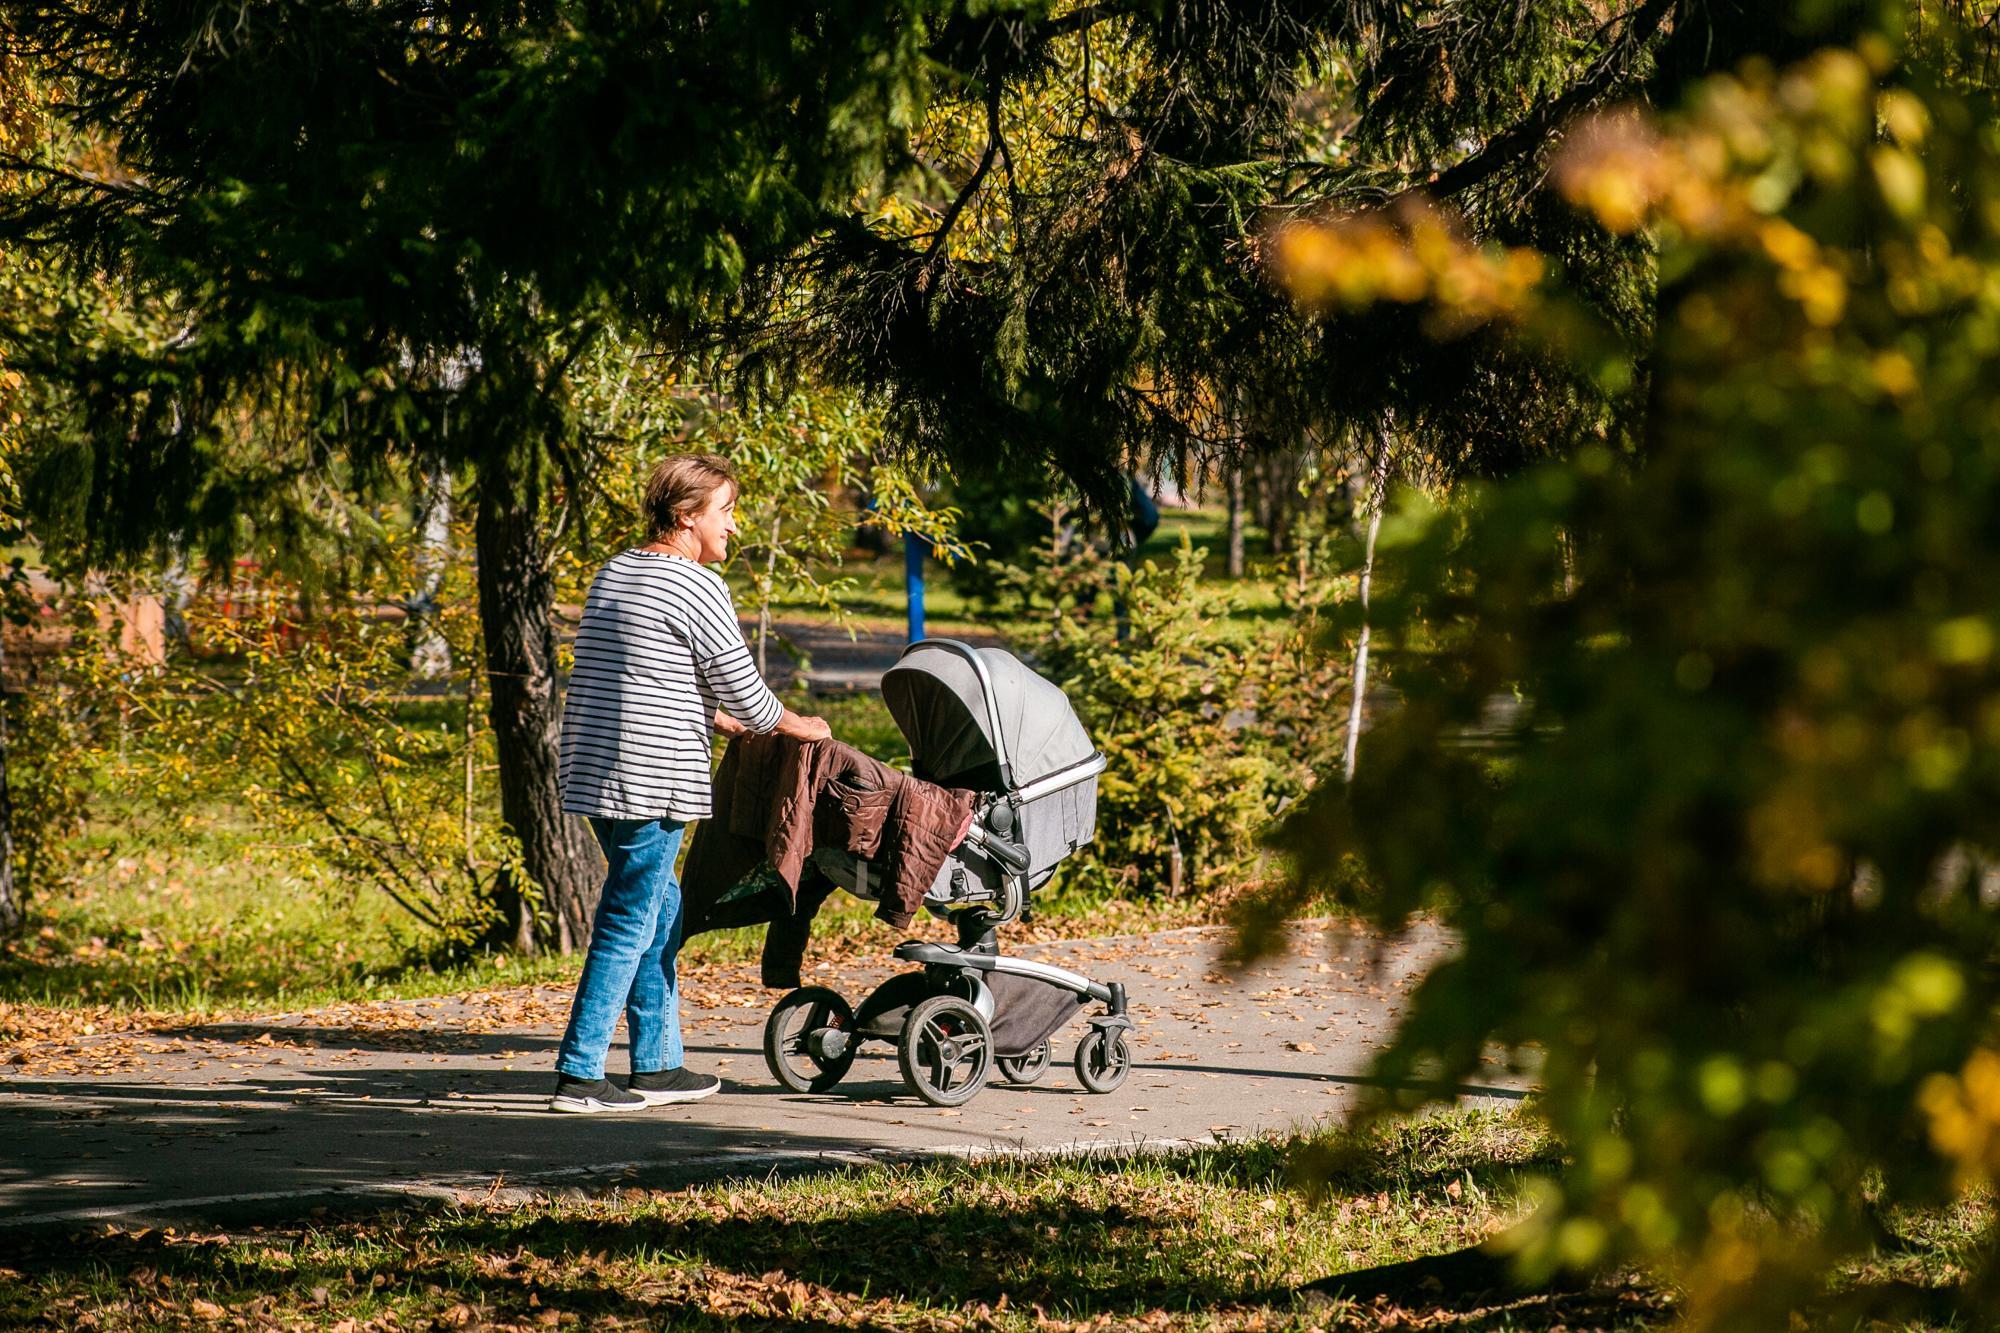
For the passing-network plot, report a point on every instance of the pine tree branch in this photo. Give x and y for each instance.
(54, 179)
(950, 218)
(1014, 204)
(1524, 136)
(1077, 20)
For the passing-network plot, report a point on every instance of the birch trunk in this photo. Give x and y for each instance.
(176, 594)
(764, 598)
(430, 654)
(1378, 482)
(1235, 539)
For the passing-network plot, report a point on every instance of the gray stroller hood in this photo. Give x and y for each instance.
(979, 718)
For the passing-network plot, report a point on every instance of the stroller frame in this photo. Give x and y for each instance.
(939, 1017)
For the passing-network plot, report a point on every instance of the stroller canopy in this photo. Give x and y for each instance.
(963, 734)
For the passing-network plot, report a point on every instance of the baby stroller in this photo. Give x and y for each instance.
(974, 718)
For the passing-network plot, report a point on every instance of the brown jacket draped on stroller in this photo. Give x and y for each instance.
(777, 801)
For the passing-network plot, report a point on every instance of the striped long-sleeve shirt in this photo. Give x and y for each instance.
(658, 649)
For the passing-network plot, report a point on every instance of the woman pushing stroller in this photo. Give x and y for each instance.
(661, 666)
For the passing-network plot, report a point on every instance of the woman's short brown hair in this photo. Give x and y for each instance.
(680, 487)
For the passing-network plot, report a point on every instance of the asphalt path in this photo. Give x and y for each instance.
(362, 1102)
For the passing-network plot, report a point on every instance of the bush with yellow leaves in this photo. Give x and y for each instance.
(1733, 889)
(315, 724)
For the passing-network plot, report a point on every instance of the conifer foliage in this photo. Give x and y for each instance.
(1070, 271)
(389, 231)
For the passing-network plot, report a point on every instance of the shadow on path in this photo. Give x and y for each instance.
(231, 1118)
(869, 1252)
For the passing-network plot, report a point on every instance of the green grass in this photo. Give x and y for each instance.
(1210, 1238)
(1218, 1237)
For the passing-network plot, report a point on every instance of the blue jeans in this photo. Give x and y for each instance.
(633, 944)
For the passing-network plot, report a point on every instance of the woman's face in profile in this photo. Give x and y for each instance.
(715, 525)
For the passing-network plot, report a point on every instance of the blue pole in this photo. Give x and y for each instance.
(915, 550)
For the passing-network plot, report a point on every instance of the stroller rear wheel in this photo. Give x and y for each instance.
(1027, 1068)
(1103, 1059)
(809, 1039)
(945, 1050)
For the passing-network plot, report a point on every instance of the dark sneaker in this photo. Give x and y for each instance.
(582, 1096)
(674, 1085)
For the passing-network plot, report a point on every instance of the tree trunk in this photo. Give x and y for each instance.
(1278, 497)
(1235, 540)
(1264, 503)
(176, 594)
(764, 593)
(517, 613)
(12, 917)
(1377, 488)
(430, 654)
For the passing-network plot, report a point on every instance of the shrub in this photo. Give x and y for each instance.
(311, 725)
(1002, 520)
(1210, 724)
(1732, 892)
(54, 748)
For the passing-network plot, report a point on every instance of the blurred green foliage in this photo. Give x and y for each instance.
(1733, 890)
(1000, 518)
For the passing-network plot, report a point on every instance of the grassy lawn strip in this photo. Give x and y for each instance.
(1219, 1237)
(204, 916)
(1216, 1237)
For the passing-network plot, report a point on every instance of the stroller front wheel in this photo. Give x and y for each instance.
(945, 1050)
(1025, 1069)
(809, 1039)
(1103, 1059)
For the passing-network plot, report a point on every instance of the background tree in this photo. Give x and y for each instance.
(1732, 881)
(329, 202)
(1075, 285)
(1028, 235)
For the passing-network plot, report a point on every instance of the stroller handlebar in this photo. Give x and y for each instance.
(1010, 854)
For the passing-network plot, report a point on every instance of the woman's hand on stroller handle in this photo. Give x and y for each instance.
(799, 726)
